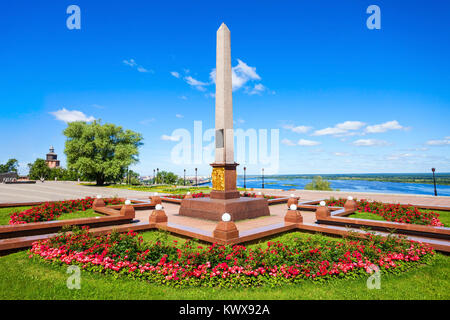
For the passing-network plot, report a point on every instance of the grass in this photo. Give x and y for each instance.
(89, 213)
(24, 278)
(444, 216)
(5, 213)
(366, 215)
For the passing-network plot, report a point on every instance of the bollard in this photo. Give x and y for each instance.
(292, 200)
(322, 211)
(158, 215)
(226, 229)
(98, 202)
(292, 215)
(127, 210)
(350, 204)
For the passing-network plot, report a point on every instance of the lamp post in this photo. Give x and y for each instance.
(245, 185)
(157, 174)
(434, 181)
(196, 182)
(263, 178)
(154, 176)
(184, 177)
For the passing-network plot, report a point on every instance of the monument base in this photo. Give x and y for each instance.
(213, 209)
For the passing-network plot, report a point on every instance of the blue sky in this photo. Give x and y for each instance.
(345, 99)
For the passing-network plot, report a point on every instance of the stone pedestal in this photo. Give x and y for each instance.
(128, 211)
(293, 216)
(158, 216)
(292, 200)
(226, 230)
(98, 203)
(350, 205)
(154, 200)
(322, 212)
(213, 209)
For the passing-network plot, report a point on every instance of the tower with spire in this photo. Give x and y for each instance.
(52, 158)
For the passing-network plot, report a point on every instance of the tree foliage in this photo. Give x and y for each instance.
(101, 152)
(39, 170)
(318, 184)
(10, 166)
(165, 177)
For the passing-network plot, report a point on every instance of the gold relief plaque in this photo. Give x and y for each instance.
(218, 178)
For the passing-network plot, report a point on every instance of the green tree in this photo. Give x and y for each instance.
(165, 177)
(318, 184)
(10, 166)
(132, 177)
(101, 152)
(39, 170)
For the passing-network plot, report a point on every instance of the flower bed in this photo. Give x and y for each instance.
(393, 212)
(194, 195)
(50, 211)
(313, 258)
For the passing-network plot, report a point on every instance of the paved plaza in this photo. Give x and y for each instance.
(61, 190)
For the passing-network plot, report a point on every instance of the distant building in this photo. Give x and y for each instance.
(52, 159)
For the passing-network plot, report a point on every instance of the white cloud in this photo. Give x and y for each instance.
(350, 125)
(379, 128)
(132, 63)
(142, 69)
(288, 142)
(183, 98)
(399, 156)
(369, 143)
(443, 142)
(71, 115)
(241, 74)
(179, 116)
(199, 85)
(341, 154)
(301, 142)
(257, 89)
(170, 138)
(341, 129)
(297, 129)
(175, 74)
(307, 143)
(147, 121)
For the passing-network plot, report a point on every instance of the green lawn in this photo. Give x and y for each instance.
(5, 213)
(444, 216)
(24, 278)
(366, 215)
(89, 213)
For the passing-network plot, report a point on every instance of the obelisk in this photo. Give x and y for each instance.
(224, 167)
(224, 197)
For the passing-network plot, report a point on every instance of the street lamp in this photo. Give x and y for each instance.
(154, 177)
(434, 180)
(263, 178)
(157, 174)
(245, 185)
(184, 177)
(196, 182)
